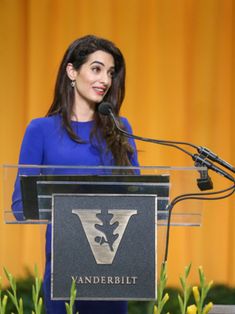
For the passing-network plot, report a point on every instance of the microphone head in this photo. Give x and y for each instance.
(105, 108)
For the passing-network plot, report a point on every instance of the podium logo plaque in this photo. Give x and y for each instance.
(106, 243)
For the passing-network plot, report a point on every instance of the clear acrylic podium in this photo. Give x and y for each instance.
(181, 180)
(112, 219)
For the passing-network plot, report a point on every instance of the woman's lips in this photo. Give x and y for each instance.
(100, 90)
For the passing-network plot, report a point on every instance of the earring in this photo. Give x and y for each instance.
(72, 83)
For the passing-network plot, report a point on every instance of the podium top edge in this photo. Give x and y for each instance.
(170, 168)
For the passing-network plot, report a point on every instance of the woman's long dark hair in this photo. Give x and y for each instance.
(63, 101)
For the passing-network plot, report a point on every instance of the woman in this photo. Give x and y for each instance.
(74, 133)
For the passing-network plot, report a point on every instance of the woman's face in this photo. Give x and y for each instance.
(94, 78)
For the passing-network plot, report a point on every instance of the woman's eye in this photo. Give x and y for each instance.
(96, 69)
(111, 74)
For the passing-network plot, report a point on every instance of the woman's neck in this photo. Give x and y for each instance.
(83, 112)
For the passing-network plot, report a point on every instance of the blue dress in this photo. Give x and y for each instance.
(46, 142)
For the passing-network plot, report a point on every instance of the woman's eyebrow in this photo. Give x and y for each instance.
(101, 63)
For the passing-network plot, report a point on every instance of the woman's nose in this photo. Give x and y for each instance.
(106, 79)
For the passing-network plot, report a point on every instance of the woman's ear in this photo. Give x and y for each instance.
(71, 72)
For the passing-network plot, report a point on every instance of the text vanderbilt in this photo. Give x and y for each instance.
(105, 280)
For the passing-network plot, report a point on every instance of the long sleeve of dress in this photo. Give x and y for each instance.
(31, 154)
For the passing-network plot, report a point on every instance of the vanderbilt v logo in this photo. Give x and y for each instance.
(104, 230)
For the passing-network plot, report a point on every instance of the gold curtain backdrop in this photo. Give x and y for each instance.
(180, 86)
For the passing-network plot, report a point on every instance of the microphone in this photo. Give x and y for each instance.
(212, 156)
(105, 108)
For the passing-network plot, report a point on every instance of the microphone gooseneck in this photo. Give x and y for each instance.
(106, 108)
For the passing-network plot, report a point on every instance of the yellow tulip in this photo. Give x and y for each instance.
(192, 309)
(4, 301)
(155, 309)
(207, 308)
(165, 298)
(196, 294)
(210, 284)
